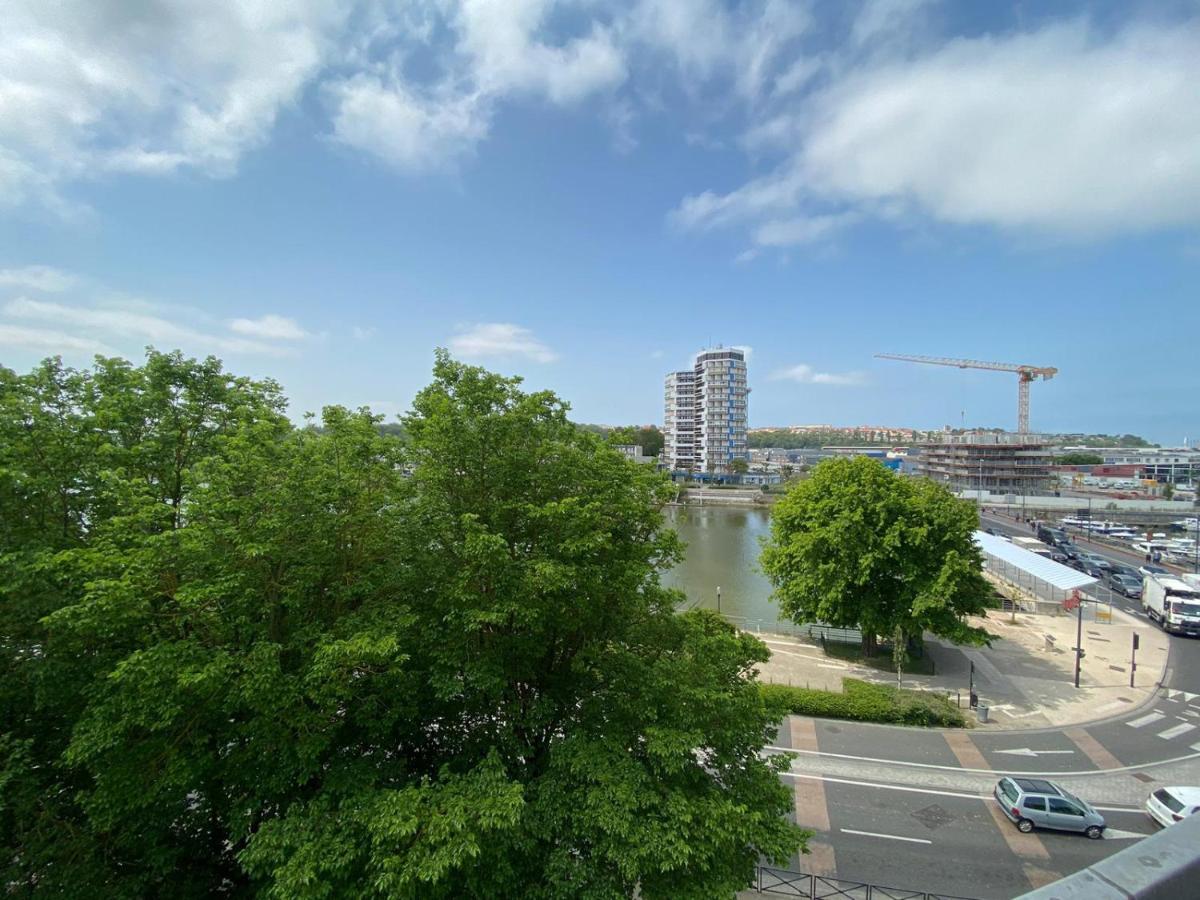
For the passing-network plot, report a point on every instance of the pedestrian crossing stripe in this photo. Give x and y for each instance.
(1176, 731)
(1146, 720)
(1185, 696)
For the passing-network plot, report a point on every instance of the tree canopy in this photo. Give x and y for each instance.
(1080, 458)
(242, 657)
(857, 546)
(648, 437)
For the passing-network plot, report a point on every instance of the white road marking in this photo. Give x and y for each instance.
(1186, 696)
(1146, 720)
(917, 765)
(1025, 751)
(1176, 731)
(1116, 834)
(890, 837)
(1195, 747)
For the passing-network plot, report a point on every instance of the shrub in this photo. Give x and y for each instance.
(862, 701)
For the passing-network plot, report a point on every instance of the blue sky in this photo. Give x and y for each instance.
(585, 193)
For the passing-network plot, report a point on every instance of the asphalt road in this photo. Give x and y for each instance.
(951, 843)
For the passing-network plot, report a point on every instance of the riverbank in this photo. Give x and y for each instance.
(726, 497)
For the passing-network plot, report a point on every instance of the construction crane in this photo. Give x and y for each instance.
(1025, 375)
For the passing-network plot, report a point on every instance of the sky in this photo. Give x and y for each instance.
(585, 193)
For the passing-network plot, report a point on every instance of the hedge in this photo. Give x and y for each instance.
(866, 702)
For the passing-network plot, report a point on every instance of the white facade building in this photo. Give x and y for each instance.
(705, 413)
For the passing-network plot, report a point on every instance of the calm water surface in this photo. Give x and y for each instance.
(722, 550)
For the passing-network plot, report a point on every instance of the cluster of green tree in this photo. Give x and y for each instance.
(243, 658)
(808, 440)
(857, 546)
(1079, 458)
(648, 437)
(1101, 440)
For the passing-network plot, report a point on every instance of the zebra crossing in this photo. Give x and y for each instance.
(1181, 701)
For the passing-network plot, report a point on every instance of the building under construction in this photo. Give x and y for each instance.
(1001, 463)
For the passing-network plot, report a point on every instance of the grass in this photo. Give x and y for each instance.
(882, 660)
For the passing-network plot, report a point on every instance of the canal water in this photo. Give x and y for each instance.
(723, 544)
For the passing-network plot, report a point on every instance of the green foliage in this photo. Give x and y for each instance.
(1102, 440)
(857, 546)
(1080, 458)
(648, 437)
(739, 466)
(245, 658)
(866, 702)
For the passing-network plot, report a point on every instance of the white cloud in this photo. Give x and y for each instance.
(800, 229)
(500, 36)
(122, 324)
(41, 340)
(403, 128)
(746, 349)
(805, 374)
(656, 354)
(706, 38)
(89, 87)
(500, 339)
(38, 278)
(361, 333)
(1061, 131)
(500, 50)
(271, 327)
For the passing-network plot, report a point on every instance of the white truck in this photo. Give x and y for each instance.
(1174, 601)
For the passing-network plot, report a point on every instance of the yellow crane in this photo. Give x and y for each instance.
(1025, 375)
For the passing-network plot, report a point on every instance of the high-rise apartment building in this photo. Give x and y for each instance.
(704, 424)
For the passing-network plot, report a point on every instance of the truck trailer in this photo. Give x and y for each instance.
(1173, 602)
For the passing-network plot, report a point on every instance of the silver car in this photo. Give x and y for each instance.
(1034, 802)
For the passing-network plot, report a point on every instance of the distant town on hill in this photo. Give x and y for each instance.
(796, 437)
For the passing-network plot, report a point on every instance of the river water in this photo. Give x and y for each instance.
(723, 544)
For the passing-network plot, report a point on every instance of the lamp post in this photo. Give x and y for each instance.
(719, 603)
(1078, 633)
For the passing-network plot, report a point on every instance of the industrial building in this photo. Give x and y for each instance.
(1001, 463)
(704, 422)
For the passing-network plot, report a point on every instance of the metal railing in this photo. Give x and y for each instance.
(768, 880)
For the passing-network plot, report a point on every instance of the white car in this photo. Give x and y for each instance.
(1169, 805)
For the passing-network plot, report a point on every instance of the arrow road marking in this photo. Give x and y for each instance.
(1145, 720)
(1116, 834)
(1186, 696)
(1176, 731)
(1026, 751)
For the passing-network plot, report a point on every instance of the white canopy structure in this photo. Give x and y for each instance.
(1042, 577)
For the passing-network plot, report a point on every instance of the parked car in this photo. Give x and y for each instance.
(1121, 569)
(1072, 550)
(1089, 567)
(1149, 569)
(1169, 805)
(1059, 557)
(1128, 585)
(1095, 559)
(1036, 803)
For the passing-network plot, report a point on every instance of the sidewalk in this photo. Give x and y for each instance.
(1024, 680)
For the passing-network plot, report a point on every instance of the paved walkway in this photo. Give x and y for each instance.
(1026, 678)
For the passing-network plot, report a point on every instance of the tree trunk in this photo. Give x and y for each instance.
(870, 645)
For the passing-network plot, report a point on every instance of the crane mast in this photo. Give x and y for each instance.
(1025, 376)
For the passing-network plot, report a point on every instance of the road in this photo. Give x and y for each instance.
(911, 809)
(952, 843)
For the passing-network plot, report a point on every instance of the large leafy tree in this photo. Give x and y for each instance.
(856, 545)
(246, 658)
